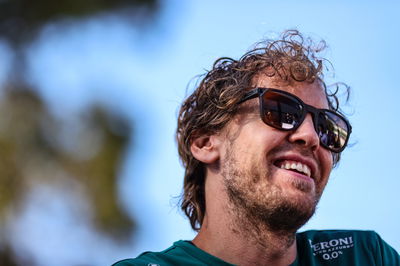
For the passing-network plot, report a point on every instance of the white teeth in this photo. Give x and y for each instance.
(299, 167)
(302, 168)
(307, 171)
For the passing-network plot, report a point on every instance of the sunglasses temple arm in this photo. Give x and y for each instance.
(250, 95)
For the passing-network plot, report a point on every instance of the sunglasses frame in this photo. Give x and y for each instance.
(305, 109)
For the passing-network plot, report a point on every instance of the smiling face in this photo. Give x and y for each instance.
(275, 177)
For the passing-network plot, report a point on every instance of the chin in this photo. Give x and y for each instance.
(290, 216)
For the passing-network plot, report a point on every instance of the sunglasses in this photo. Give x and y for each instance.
(285, 111)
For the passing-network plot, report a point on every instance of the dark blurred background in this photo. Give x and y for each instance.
(38, 148)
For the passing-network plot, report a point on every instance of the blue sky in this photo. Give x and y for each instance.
(145, 74)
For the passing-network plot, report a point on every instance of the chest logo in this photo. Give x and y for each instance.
(333, 248)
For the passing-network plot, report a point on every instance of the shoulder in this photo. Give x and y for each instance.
(150, 258)
(180, 253)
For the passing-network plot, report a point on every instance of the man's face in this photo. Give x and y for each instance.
(258, 162)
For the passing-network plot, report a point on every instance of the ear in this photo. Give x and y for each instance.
(206, 149)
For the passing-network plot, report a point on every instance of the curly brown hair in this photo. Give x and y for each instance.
(215, 101)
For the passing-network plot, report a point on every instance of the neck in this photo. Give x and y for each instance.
(234, 246)
(232, 238)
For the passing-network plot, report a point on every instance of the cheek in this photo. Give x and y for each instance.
(254, 141)
(327, 163)
(255, 149)
(263, 137)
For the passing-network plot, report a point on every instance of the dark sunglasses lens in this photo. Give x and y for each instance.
(333, 131)
(281, 111)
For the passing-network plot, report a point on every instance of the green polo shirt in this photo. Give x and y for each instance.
(327, 247)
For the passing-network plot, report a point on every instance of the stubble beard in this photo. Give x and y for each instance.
(259, 205)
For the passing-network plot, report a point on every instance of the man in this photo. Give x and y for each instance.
(259, 138)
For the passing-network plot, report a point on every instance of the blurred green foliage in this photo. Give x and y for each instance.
(32, 150)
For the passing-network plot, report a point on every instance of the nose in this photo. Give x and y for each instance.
(305, 134)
